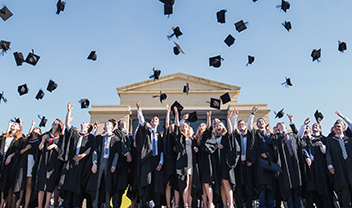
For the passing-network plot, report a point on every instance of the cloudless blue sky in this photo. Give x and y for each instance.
(130, 39)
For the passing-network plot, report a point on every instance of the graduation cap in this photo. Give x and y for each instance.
(22, 89)
(254, 0)
(2, 97)
(287, 82)
(342, 46)
(19, 58)
(287, 25)
(186, 88)
(279, 114)
(240, 26)
(84, 103)
(177, 49)
(230, 40)
(32, 58)
(215, 103)
(5, 13)
(316, 54)
(177, 32)
(16, 120)
(192, 117)
(178, 106)
(318, 115)
(285, 5)
(51, 86)
(92, 56)
(220, 15)
(161, 97)
(4, 46)
(40, 94)
(156, 74)
(60, 5)
(168, 6)
(215, 61)
(250, 60)
(225, 98)
(43, 121)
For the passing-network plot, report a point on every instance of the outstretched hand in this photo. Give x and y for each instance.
(138, 105)
(69, 106)
(307, 121)
(290, 117)
(254, 110)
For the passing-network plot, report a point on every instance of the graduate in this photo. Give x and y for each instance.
(264, 152)
(9, 155)
(50, 163)
(105, 157)
(339, 160)
(72, 183)
(225, 159)
(120, 177)
(26, 171)
(245, 173)
(149, 145)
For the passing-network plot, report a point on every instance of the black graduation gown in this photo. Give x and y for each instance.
(290, 178)
(72, 174)
(120, 176)
(169, 167)
(98, 148)
(145, 153)
(8, 172)
(207, 147)
(342, 167)
(263, 144)
(196, 190)
(133, 174)
(21, 173)
(49, 166)
(226, 161)
(317, 174)
(246, 178)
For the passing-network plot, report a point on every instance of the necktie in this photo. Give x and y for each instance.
(343, 148)
(242, 145)
(289, 145)
(154, 144)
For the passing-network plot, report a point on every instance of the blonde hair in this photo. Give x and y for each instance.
(222, 133)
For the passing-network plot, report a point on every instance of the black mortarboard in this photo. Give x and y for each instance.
(215, 61)
(240, 26)
(279, 114)
(285, 5)
(84, 103)
(220, 15)
(316, 54)
(176, 32)
(16, 120)
(186, 88)
(254, 0)
(2, 97)
(225, 98)
(5, 13)
(32, 58)
(317, 115)
(342, 46)
(40, 94)
(51, 86)
(177, 49)
(19, 58)
(250, 60)
(43, 121)
(287, 82)
(92, 56)
(168, 9)
(287, 25)
(22, 89)
(230, 40)
(161, 96)
(156, 74)
(215, 103)
(178, 106)
(4, 46)
(60, 5)
(192, 117)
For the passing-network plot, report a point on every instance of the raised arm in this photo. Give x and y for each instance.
(9, 127)
(234, 118)
(300, 133)
(228, 122)
(31, 128)
(348, 121)
(177, 122)
(292, 124)
(68, 116)
(140, 114)
(167, 119)
(251, 118)
(208, 119)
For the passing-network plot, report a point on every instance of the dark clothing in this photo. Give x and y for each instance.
(207, 147)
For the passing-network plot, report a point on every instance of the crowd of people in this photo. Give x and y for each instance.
(237, 165)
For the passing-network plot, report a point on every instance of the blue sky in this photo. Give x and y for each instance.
(130, 39)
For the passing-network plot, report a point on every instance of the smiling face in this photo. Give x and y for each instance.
(241, 126)
(85, 126)
(307, 130)
(339, 127)
(184, 127)
(154, 122)
(316, 128)
(36, 132)
(15, 127)
(108, 126)
(261, 123)
(122, 124)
